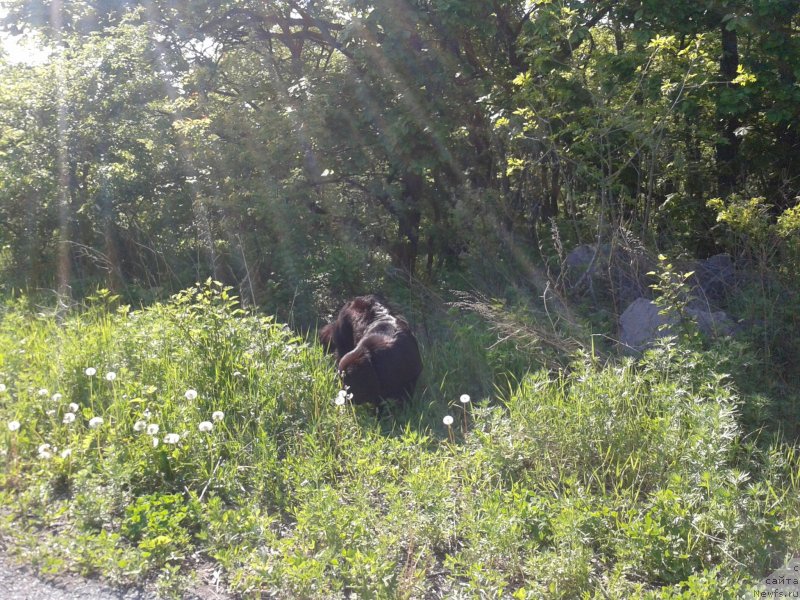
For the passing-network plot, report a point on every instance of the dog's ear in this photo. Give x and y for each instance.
(359, 375)
(326, 338)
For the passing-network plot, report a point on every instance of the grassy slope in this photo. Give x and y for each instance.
(614, 480)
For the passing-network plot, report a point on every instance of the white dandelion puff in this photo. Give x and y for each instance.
(448, 420)
(68, 418)
(13, 425)
(217, 415)
(111, 376)
(95, 422)
(152, 429)
(3, 388)
(90, 371)
(44, 451)
(205, 426)
(73, 407)
(140, 425)
(190, 394)
(155, 442)
(172, 438)
(56, 397)
(44, 392)
(464, 399)
(66, 453)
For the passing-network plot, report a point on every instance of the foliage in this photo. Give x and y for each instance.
(621, 480)
(160, 145)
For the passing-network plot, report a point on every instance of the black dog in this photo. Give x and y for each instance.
(376, 353)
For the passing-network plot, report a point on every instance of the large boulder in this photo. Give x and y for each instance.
(713, 278)
(578, 262)
(713, 324)
(614, 273)
(641, 324)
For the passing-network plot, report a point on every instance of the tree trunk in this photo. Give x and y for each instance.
(409, 217)
(727, 148)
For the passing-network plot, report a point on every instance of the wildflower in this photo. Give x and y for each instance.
(340, 400)
(205, 426)
(152, 429)
(68, 418)
(90, 371)
(235, 374)
(172, 438)
(217, 415)
(66, 453)
(140, 425)
(73, 407)
(95, 422)
(56, 397)
(13, 425)
(155, 442)
(44, 451)
(44, 392)
(448, 420)
(111, 376)
(464, 399)
(2, 387)
(190, 394)
(146, 414)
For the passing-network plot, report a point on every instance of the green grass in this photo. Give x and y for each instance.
(620, 480)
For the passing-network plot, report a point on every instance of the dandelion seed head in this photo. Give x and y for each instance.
(68, 418)
(448, 420)
(44, 392)
(146, 414)
(217, 415)
(155, 442)
(111, 376)
(172, 438)
(152, 429)
(56, 397)
(50, 412)
(66, 453)
(190, 394)
(73, 407)
(90, 371)
(44, 451)
(2, 387)
(340, 400)
(95, 422)
(205, 426)
(140, 425)
(464, 398)
(13, 425)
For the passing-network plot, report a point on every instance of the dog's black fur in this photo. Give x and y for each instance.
(376, 353)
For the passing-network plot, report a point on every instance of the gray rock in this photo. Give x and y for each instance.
(578, 261)
(713, 278)
(713, 324)
(639, 324)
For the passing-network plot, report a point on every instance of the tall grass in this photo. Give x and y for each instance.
(618, 481)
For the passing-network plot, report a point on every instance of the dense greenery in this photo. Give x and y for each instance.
(268, 144)
(449, 153)
(618, 481)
